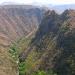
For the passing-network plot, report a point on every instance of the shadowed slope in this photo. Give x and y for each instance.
(53, 46)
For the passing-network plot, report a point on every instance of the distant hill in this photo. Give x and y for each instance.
(61, 8)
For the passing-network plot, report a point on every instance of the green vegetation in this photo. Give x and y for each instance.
(19, 46)
(42, 72)
(22, 68)
(15, 49)
(14, 53)
(64, 28)
(28, 66)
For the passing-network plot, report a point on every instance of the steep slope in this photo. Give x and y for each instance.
(53, 46)
(66, 42)
(16, 21)
(42, 50)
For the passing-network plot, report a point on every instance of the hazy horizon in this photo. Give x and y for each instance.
(39, 2)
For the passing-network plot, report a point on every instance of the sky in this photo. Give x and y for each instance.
(43, 2)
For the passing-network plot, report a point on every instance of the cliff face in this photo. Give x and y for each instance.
(53, 45)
